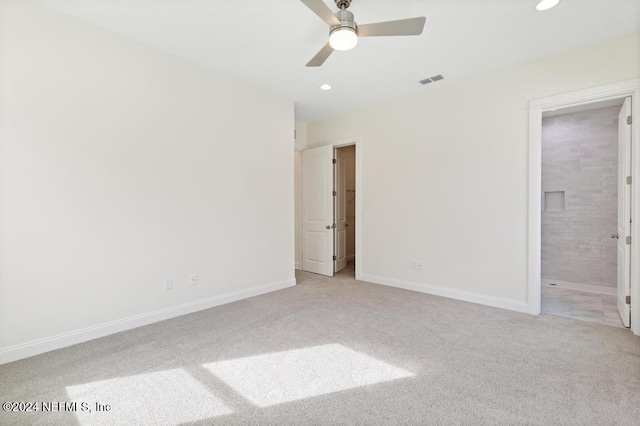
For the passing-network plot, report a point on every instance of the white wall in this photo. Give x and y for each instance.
(580, 160)
(445, 173)
(120, 166)
(301, 136)
(299, 145)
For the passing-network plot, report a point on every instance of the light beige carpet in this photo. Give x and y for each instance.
(337, 351)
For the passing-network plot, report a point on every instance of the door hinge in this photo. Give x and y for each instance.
(628, 240)
(627, 300)
(628, 180)
(629, 120)
(335, 161)
(335, 258)
(335, 193)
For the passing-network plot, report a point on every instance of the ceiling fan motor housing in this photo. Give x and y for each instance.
(346, 21)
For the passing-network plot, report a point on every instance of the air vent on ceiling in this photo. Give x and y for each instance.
(431, 79)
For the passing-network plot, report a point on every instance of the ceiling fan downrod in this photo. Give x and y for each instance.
(344, 16)
(343, 4)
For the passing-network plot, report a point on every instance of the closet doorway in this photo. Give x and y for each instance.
(330, 208)
(344, 206)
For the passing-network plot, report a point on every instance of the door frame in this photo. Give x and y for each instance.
(357, 142)
(340, 209)
(582, 97)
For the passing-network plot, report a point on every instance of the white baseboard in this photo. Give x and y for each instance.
(496, 302)
(588, 288)
(36, 347)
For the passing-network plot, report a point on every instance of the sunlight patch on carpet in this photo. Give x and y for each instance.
(296, 374)
(163, 397)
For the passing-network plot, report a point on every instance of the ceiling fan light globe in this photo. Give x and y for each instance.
(546, 4)
(344, 38)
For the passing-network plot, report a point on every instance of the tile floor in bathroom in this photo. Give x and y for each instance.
(600, 308)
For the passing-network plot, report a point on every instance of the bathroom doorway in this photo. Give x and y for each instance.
(585, 197)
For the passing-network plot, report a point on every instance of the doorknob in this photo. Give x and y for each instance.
(329, 227)
(615, 236)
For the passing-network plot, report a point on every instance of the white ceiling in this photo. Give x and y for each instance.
(268, 43)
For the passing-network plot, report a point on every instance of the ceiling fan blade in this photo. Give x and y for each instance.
(402, 27)
(321, 56)
(322, 10)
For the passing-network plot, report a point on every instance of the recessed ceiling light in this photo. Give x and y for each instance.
(325, 87)
(547, 4)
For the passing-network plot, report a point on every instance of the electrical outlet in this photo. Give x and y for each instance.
(168, 283)
(193, 279)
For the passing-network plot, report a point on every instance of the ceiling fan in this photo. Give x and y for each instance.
(344, 32)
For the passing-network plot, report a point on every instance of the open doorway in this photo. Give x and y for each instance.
(329, 209)
(344, 181)
(584, 197)
(628, 265)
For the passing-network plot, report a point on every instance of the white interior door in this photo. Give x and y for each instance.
(340, 211)
(317, 210)
(624, 212)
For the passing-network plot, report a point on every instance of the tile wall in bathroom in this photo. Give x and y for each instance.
(580, 158)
